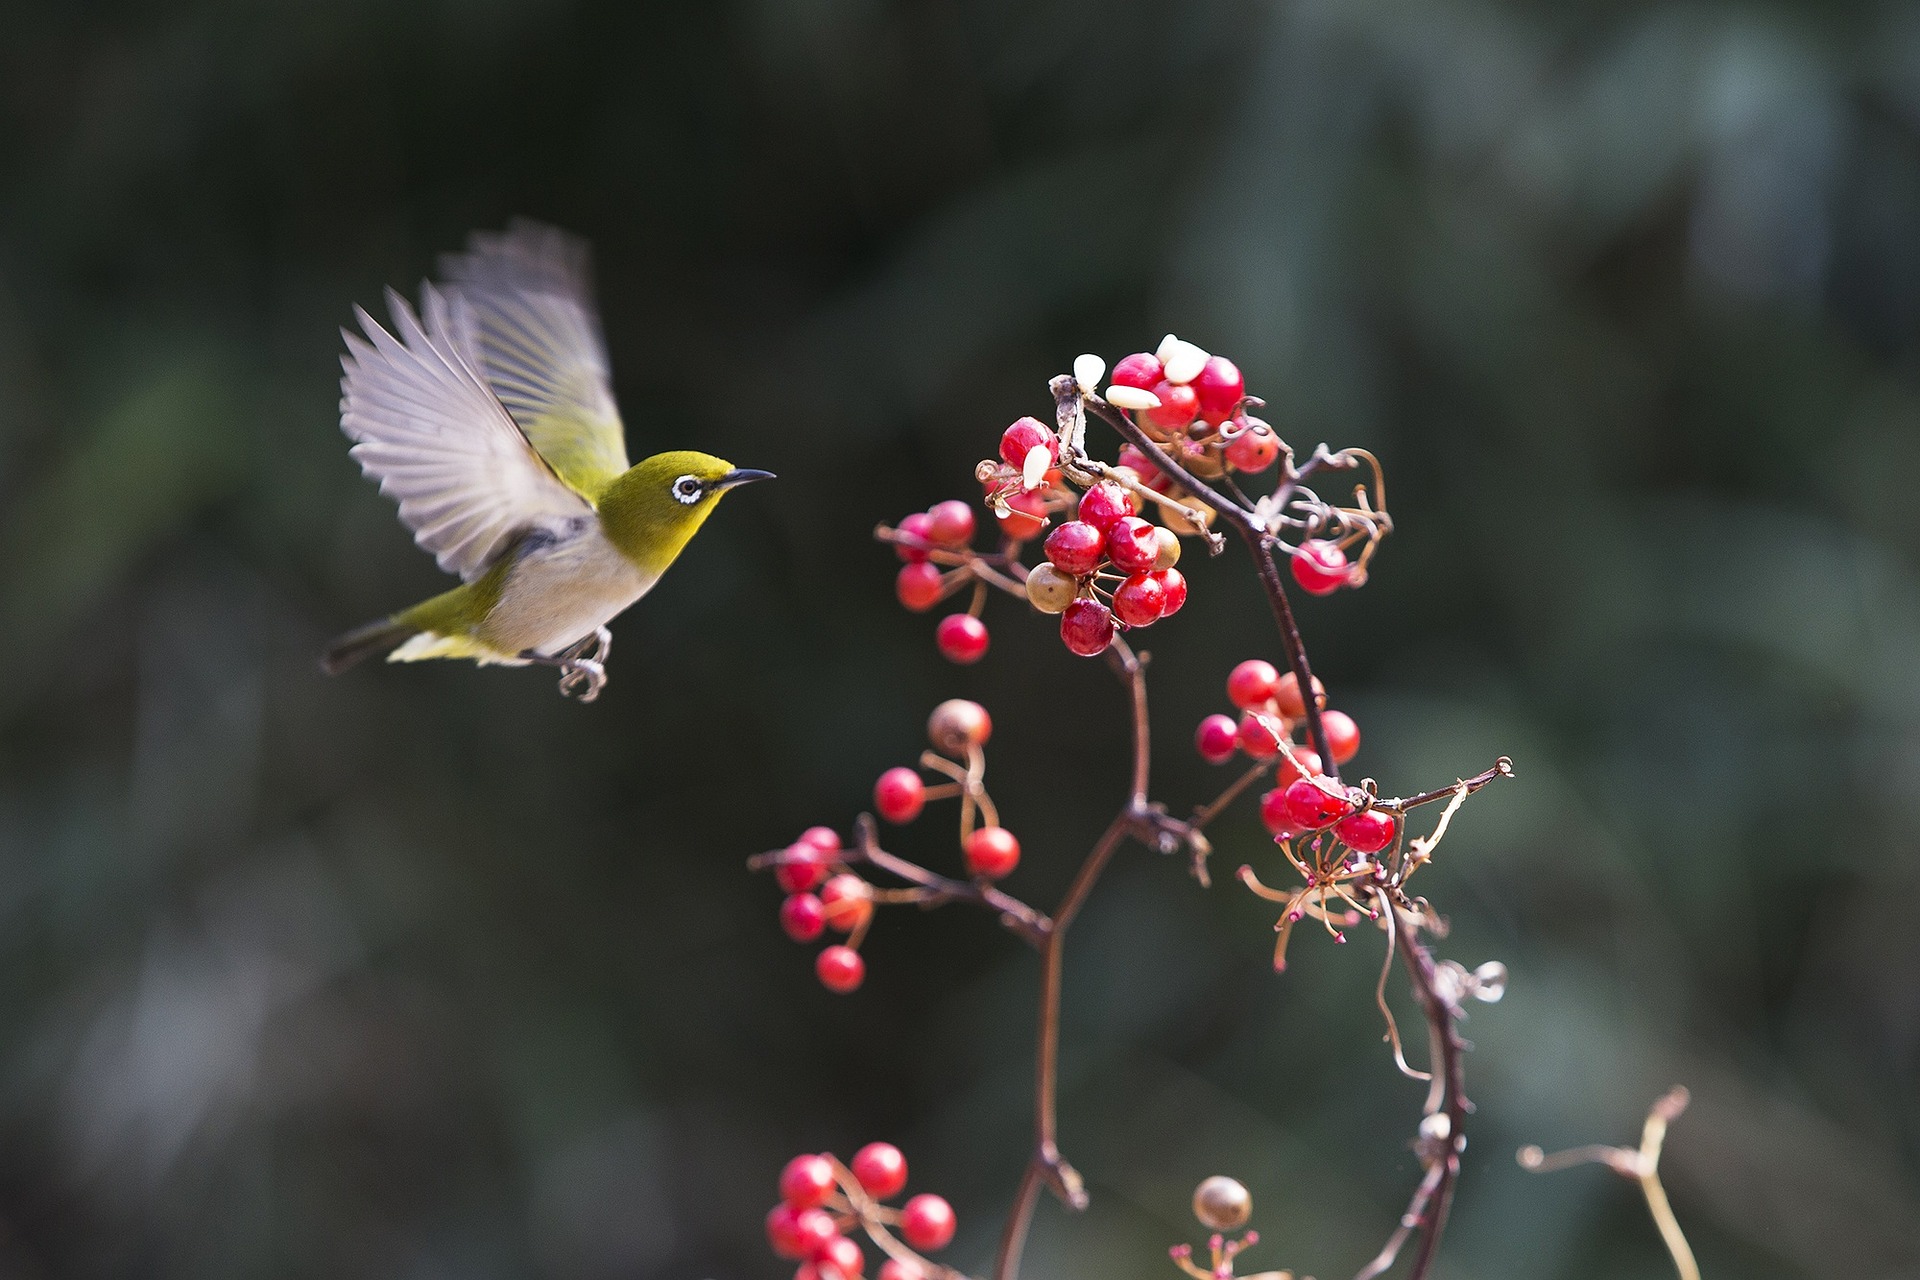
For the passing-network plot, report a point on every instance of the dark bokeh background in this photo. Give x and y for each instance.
(425, 973)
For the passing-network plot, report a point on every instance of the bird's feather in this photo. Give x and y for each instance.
(535, 334)
(428, 428)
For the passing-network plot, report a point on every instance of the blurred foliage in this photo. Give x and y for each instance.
(423, 972)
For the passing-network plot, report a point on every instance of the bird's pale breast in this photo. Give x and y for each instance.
(558, 591)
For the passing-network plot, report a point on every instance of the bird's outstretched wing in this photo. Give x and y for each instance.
(536, 336)
(426, 426)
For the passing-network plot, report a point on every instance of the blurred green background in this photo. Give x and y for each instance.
(424, 972)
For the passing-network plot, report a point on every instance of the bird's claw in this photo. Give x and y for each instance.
(582, 678)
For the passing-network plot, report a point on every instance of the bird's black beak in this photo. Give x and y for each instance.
(739, 476)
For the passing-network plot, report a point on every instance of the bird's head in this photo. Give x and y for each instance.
(652, 510)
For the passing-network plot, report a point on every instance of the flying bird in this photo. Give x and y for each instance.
(489, 417)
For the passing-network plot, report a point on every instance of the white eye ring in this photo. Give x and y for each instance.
(687, 489)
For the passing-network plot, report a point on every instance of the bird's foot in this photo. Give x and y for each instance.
(582, 678)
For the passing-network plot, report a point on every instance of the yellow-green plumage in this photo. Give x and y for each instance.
(489, 418)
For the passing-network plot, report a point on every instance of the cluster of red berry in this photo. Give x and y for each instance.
(946, 527)
(821, 895)
(1107, 546)
(1194, 405)
(1302, 799)
(822, 1200)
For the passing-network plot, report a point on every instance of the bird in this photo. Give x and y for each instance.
(489, 416)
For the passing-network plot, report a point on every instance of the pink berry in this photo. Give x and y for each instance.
(1141, 465)
(1313, 803)
(992, 852)
(825, 839)
(962, 638)
(881, 1169)
(1286, 696)
(1368, 831)
(950, 523)
(843, 1255)
(847, 902)
(1216, 739)
(840, 969)
(899, 795)
(1320, 567)
(1251, 684)
(920, 526)
(807, 1181)
(798, 1233)
(959, 723)
(895, 1269)
(1220, 389)
(1133, 545)
(802, 917)
(1025, 516)
(927, 1223)
(802, 866)
(1075, 548)
(1343, 735)
(1173, 587)
(1254, 448)
(1141, 369)
(1087, 628)
(1179, 404)
(1259, 735)
(1023, 437)
(1140, 600)
(918, 586)
(1105, 503)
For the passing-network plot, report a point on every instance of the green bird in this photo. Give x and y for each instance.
(489, 417)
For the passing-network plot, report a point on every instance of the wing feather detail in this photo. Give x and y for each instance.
(534, 332)
(426, 426)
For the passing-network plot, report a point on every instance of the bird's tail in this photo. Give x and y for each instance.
(363, 642)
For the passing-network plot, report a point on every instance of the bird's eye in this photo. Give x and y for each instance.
(687, 489)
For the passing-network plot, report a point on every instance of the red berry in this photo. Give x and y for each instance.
(1179, 403)
(1220, 389)
(959, 723)
(1273, 813)
(803, 917)
(798, 1233)
(1087, 628)
(847, 902)
(1368, 831)
(899, 795)
(1133, 545)
(843, 1255)
(1286, 696)
(1024, 517)
(1320, 567)
(1023, 437)
(1301, 764)
(927, 1223)
(803, 866)
(881, 1168)
(825, 839)
(918, 586)
(1173, 587)
(1251, 684)
(1259, 735)
(895, 1269)
(992, 852)
(1216, 739)
(918, 525)
(950, 523)
(1075, 548)
(1313, 803)
(840, 969)
(1105, 503)
(807, 1181)
(1140, 600)
(1343, 735)
(1254, 448)
(962, 638)
(1141, 369)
